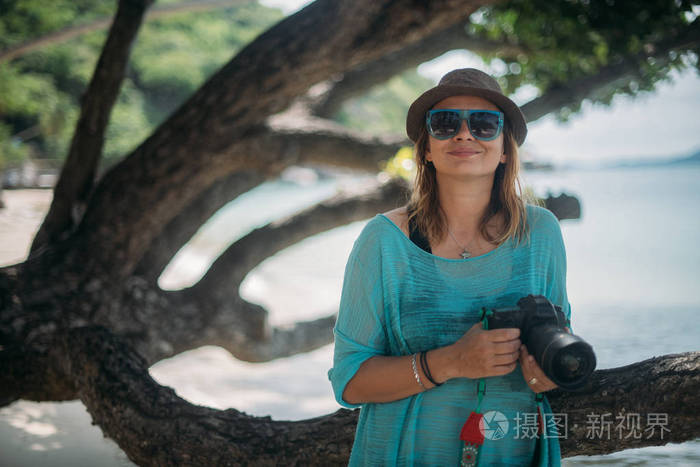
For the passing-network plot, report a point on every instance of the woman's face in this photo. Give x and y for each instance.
(463, 155)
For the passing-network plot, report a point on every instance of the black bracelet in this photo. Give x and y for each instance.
(426, 370)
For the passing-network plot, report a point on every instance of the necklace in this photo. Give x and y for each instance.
(465, 253)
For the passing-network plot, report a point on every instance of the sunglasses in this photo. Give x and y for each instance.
(484, 125)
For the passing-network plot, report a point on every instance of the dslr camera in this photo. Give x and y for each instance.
(565, 358)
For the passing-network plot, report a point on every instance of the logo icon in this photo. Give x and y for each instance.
(494, 425)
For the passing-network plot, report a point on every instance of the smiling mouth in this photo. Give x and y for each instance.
(464, 152)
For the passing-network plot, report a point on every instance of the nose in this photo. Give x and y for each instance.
(464, 134)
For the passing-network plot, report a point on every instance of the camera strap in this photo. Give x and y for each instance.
(472, 431)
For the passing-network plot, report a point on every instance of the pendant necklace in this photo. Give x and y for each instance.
(465, 253)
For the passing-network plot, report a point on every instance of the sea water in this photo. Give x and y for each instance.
(633, 272)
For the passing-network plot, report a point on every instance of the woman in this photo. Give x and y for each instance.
(410, 348)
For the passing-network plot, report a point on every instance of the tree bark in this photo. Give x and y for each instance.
(668, 385)
(181, 228)
(563, 206)
(155, 427)
(358, 80)
(78, 172)
(308, 141)
(262, 79)
(229, 270)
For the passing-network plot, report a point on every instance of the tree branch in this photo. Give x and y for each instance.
(303, 336)
(563, 206)
(359, 80)
(130, 407)
(78, 172)
(29, 374)
(240, 327)
(185, 320)
(608, 77)
(309, 141)
(343, 149)
(313, 140)
(213, 313)
(667, 385)
(235, 102)
(274, 342)
(155, 427)
(183, 227)
(229, 270)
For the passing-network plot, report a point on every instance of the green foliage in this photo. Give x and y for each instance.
(11, 151)
(174, 56)
(558, 41)
(40, 92)
(383, 109)
(31, 103)
(22, 94)
(129, 124)
(567, 39)
(23, 20)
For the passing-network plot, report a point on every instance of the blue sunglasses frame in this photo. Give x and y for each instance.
(464, 115)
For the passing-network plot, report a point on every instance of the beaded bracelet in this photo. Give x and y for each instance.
(415, 371)
(426, 370)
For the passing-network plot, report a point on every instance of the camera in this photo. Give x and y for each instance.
(565, 358)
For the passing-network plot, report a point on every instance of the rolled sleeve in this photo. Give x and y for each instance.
(359, 332)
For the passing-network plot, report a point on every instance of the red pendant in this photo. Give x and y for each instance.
(472, 431)
(473, 436)
(469, 455)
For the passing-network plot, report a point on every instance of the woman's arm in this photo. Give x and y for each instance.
(477, 354)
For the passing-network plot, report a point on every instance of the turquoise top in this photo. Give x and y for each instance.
(398, 299)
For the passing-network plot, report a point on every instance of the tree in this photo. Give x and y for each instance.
(76, 318)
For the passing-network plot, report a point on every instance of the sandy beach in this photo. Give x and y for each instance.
(19, 221)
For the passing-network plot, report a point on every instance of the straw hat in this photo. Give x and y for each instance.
(465, 82)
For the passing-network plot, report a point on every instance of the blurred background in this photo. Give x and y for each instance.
(631, 158)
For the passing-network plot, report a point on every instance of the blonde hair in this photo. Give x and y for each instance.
(507, 196)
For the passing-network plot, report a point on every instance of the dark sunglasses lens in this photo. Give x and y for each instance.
(445, 124)
(483, 125)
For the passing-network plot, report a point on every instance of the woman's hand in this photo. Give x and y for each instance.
(533, 374)
(480, 353)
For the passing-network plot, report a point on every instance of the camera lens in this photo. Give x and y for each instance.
(568, 365)
(572, 364)
(565, 358)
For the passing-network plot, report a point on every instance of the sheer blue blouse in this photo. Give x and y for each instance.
(398, 299)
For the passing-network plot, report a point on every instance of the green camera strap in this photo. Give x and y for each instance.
(472, 431)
